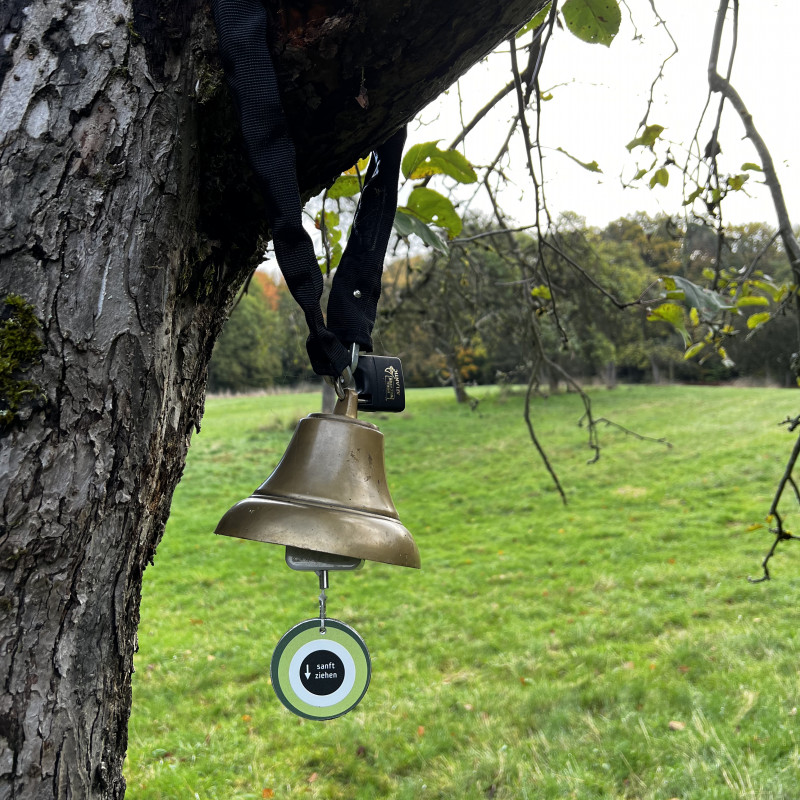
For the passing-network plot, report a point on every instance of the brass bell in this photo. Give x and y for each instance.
(328, 495)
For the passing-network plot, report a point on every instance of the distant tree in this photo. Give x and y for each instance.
(247, 355)
(461, 316)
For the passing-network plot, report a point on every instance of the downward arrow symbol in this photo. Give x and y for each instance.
(308, 672)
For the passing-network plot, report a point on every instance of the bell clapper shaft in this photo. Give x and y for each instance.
(323, 585)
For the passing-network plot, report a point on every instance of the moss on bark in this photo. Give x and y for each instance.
(20, 350)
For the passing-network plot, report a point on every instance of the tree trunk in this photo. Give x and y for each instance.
(456, 380)
(655, 371)
(128, 221)
(611, 375)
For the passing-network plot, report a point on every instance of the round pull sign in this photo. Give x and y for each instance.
(320, 676)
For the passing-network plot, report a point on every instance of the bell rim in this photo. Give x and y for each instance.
(367, 535)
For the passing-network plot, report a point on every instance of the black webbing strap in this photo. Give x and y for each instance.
(243, 43)
(353, 301)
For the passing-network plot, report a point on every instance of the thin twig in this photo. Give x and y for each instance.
(507, 89)
(485, 234)
(534, 439)
(662, 23)
(749, 271)
(618, 303)
(629, 432)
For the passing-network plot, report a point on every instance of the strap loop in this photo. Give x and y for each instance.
(242, 30)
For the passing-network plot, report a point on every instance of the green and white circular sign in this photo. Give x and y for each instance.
(320, 675)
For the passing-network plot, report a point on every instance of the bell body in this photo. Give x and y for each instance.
(328, 494)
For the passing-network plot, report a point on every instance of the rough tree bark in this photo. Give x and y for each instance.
(127, 223)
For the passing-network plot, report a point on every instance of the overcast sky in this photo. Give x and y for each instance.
(599, 97)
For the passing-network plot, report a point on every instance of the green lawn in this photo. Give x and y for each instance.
(609, 649)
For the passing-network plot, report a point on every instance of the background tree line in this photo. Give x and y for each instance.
(460, 317)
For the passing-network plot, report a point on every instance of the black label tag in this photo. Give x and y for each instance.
(322, 672)
(379, 383)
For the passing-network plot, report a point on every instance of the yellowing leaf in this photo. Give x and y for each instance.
(752, 300)
(344, 186)
(648, 137)
(736, 182)
(723, 354)
(692, 196)
(537, 20)
(754, 320)
(673, 314)
(424, 160)
(694, 316)
(694, 349)
(660, 178)
(592, 166)
(362, 164)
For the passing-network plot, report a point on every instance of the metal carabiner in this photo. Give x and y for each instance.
(346, 380)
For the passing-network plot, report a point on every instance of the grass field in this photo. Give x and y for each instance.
(609, 649)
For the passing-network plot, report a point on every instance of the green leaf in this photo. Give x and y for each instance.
(660, 177)
(752, 300)
(344, 186)
(332, 236)
(331, 221)
(752, 167)
(336, 253)
(754, 320)
(694, 350)
(593, 21)
(424, 160)
(430, 206)
(673, 314)
(647, 139)
(736, 182)
(406, 224)
(708, 303)
(537, 20)
(693, 196)
(640, 174)
(592, 166)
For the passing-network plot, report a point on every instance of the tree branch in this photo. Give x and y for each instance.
(723, 86)
(780, 533)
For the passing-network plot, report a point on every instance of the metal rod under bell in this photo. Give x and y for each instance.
(323, 585)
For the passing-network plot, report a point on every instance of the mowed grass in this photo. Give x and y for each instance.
(612, 648)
